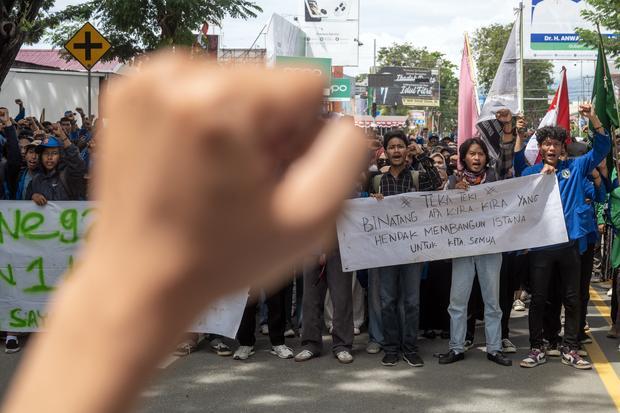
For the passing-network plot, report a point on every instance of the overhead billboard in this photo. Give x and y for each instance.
(284, 39)
(549, 30)
(332, 30)
(320, 67)
(406, 86)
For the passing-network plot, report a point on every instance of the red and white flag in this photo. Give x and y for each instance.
(558, 115)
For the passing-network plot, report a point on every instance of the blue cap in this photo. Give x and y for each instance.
(49, 142)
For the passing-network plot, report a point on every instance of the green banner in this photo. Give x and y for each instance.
(311, 65)
(340, 90)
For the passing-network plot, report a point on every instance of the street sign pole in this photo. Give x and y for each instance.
(88, 46)
(90, 112)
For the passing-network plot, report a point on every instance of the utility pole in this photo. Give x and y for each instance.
(374, 55)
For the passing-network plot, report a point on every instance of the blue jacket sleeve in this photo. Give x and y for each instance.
(590, 160)
(21, 115)
(600, 194)
(589, 190)
(519, 162)
(595, 194)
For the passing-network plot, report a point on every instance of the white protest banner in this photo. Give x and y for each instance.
(39, 244)
(509, 215)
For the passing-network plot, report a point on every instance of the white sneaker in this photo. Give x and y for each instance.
(344, 357)
(609, 293)
(264, 329)
(508, 347)
(304, 355)
(289, 333)
(243, 352)
(282, 351)
(356, 331)
(518, 305)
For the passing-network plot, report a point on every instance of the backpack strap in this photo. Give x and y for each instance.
(376, 184)
(415, 176)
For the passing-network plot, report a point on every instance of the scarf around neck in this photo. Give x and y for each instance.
(473, 178)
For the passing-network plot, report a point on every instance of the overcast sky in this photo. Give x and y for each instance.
(437, 24)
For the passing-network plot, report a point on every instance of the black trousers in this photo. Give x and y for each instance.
(552, 322)
(293, 318)
(587, 264)
(435, 296)
(276, 319)
(514, 269)
(568, 262)
(315, 288)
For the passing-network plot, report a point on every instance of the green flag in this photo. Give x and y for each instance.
(603, 97)
(604, 100)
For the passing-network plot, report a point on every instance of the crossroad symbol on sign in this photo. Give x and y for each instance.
(88, 46)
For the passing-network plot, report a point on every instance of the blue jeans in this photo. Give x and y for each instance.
(375, 326)
(400, 283)
(463, 273)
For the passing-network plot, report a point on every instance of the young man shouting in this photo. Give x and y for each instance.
(571, 175)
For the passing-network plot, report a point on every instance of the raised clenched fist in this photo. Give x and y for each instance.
(219, 170)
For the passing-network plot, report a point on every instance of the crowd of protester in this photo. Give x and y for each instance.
(44, 161)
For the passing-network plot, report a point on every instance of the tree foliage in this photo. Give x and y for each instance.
(20, 22)
(488, 44)
(137, 26)
(407, 55)
(132, 26)
(607, 14)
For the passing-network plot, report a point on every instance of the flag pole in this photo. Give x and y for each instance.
(521, 90)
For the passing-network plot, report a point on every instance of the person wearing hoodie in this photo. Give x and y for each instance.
(62, 171)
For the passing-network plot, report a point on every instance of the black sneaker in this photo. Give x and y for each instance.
(451, 357)
(413, 359)
(390, 360)
(500, 359)
(11, 345)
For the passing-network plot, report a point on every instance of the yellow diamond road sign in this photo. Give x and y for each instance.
(87, 46)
